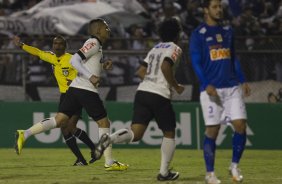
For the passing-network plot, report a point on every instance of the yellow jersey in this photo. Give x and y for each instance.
(63, 70)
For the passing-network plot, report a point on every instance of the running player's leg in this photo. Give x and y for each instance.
(71, 142)
(165, 118)
(95, 109)
(69, 105)
(79, 133)
(47, 124)
(142, 115)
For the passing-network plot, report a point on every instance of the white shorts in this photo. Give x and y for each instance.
(228, 107)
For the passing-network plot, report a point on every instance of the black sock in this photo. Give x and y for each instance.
(71, 142)
(80, 134)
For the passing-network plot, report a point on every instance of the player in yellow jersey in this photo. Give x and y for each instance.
(64, 74)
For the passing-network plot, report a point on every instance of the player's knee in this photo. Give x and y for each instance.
(240, 126)
(104, 123)
(212, 131)
(137, 137)
(65, 131)
(169, 134)
(61, 119)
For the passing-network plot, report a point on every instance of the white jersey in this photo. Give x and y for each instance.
(154, 80)
(92, 56)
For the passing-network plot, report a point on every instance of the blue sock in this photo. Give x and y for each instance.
(209, 153)
(239, 141)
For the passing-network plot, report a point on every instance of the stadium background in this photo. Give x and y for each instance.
(28, 91)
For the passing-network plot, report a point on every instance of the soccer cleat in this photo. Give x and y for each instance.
(19, 141)
(103, 143)
(169, 176)
(212, 179)
(116, 166)
(236, 174)
(93, 157)
(80, 163)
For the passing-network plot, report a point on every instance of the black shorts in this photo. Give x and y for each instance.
(62, 97)
(76, 99)
(148, 106)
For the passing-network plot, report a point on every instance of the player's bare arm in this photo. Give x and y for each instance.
(246, 89)
(211, 90)
(108, 64)
(141, 72)
(168, 74)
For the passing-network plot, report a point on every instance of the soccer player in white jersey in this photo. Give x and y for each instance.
(83, 93)
(222, 86)
(152, 99)
(64, 73)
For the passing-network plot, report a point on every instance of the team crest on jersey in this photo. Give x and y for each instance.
(65, 72)
(219, 38)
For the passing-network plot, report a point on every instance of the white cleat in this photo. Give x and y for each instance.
(212, 179)
(236, 174)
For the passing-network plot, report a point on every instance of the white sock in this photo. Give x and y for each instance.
(108, 152)
(122, 136)
(40, 127)
(167, 151)
(234, 165)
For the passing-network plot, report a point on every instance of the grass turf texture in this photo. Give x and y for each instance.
(54, 166)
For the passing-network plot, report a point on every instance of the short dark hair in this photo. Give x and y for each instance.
(61, 38)
(97, 20)
(169, 30)
(206, 3)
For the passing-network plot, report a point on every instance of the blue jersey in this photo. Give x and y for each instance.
(213, 57)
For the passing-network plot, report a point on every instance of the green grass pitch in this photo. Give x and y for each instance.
(54, 166)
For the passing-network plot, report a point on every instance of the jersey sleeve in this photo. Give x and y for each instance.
(237, 66)
(43, 55)
(146, 60)
(174, 53)
(90, 48)
(195, 49)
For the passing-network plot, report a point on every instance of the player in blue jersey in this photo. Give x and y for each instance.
(222, 86)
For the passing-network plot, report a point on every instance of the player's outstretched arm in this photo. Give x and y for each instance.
(29, 49)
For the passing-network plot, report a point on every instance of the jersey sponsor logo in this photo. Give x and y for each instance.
(176, 53)
(218, 54)
(87, 47)
(162, 45)
(152, 79)
(219, 38)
